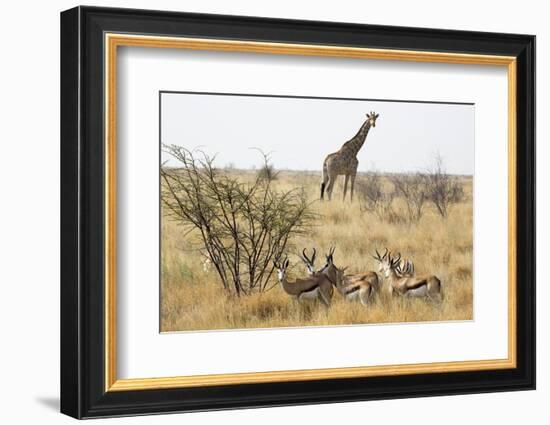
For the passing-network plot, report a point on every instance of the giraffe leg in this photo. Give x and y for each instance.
(324, 182)
(331, 181)
(346, 178)
(352, 184)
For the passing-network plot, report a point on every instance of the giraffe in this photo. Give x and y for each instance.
(344, 162)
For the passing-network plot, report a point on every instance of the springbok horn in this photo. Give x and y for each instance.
(398, 258)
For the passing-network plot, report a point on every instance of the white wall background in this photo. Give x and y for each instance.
(29, 217)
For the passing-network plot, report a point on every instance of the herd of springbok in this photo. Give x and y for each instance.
(319, 284)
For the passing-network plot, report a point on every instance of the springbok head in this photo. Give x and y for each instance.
(405, 268)
(392, 264)
(340, 273)
(281, 268)
(383, 260)
(309, 261)
(371, 118)
(329, 258)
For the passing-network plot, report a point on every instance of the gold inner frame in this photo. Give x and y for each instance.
(113, 41)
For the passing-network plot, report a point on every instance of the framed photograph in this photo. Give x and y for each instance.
(261, 212)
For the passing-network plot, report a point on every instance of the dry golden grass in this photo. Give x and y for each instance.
(192, 299)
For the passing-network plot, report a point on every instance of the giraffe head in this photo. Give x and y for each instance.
(371, 118)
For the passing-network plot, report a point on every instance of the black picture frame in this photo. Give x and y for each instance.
(83, 392)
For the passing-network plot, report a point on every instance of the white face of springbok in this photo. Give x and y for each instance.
(309, 261)
(383, 260)
(281, 269)
(392, 265)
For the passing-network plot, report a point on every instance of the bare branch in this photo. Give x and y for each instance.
(243, 226)
(442, 189)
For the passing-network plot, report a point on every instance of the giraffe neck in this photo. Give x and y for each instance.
(356, 143)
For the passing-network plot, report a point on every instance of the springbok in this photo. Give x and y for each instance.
(427, 286)
(317, 286)
(309, 262)
(405, 268)
(354, 287)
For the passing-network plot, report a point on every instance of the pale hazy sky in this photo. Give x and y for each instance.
(301, 132)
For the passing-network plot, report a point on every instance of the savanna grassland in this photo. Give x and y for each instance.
(192, 297)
